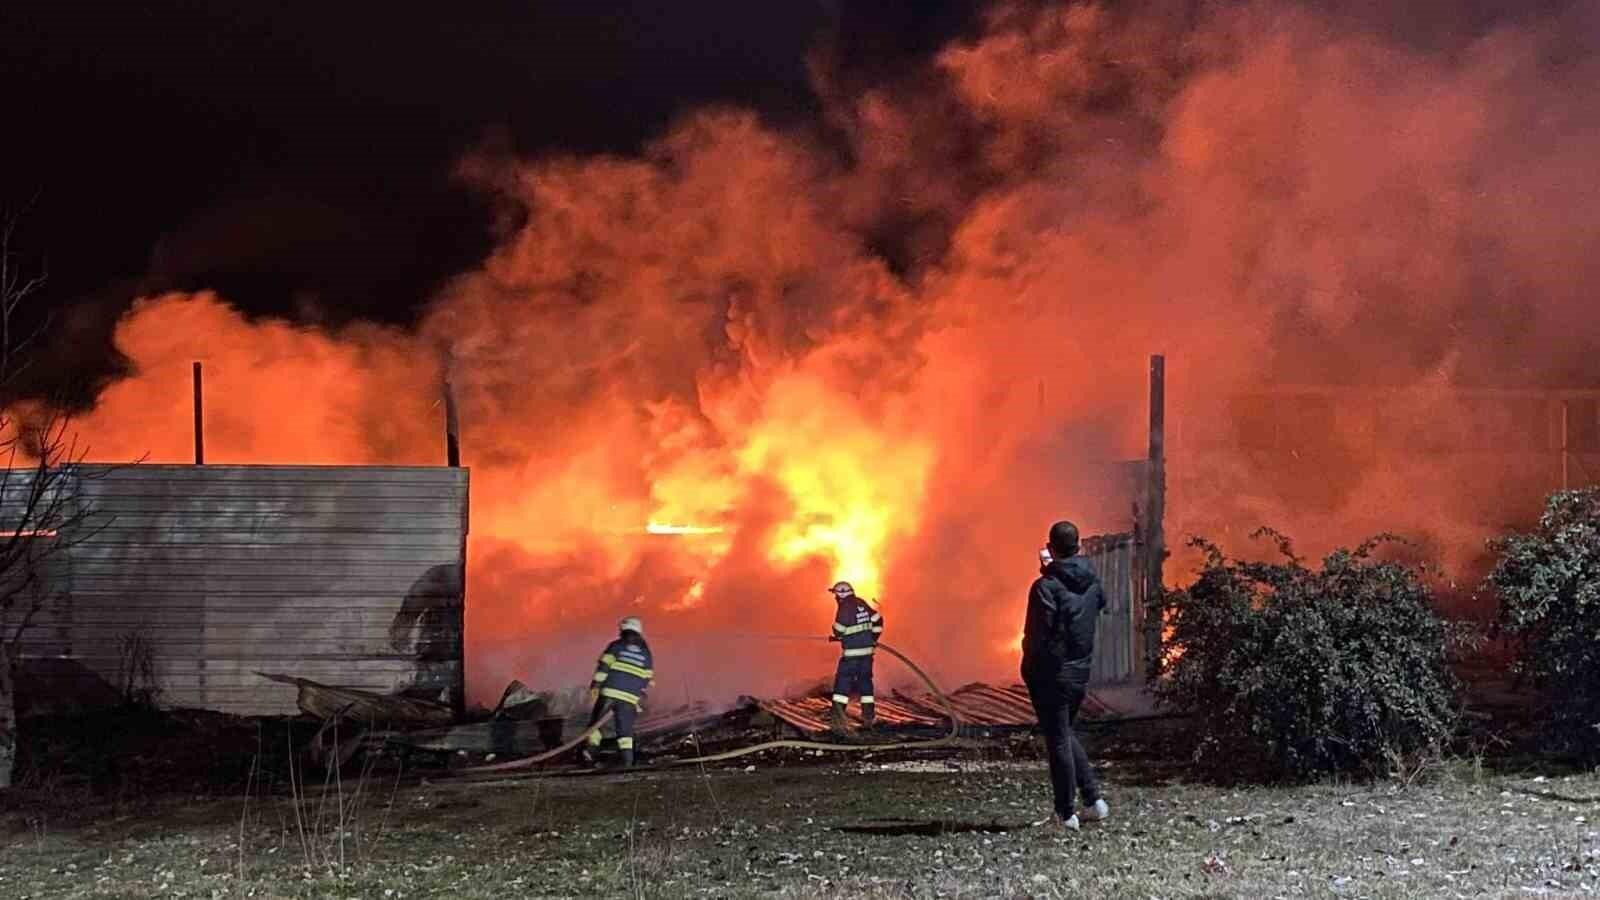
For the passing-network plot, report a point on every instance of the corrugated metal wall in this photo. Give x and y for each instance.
(346, 575)
(1115, 558)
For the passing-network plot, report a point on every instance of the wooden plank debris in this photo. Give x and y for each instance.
(329, 702)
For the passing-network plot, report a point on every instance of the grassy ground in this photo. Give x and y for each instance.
(929, 828)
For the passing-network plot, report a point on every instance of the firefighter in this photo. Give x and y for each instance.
(856, 627)
(1057, 649)
(620, 679)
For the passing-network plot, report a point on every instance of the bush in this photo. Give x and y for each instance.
(1548, 585)
(1299, 673)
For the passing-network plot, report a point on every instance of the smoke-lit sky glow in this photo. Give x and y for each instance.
(701, 381)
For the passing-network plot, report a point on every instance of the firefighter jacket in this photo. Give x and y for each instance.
(857, 626)
(623, 672)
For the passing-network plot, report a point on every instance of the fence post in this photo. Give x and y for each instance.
(1155, 547)
(452, 455)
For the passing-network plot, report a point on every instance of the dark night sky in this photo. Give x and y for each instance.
(298, 155)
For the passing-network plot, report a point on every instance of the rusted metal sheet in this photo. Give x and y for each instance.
(810, 714)
(990, 706)
(981, 704)
(346, 576)
(977, 705)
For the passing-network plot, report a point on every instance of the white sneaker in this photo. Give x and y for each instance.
(1071, 824)
(1099, 812)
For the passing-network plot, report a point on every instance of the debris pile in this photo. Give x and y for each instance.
(978, 705)
(526, 722)
(327, 702)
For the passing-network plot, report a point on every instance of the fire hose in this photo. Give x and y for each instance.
(950, 710)
(784, 743)
(529, 762)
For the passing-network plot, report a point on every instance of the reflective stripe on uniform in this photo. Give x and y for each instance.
(867, 698)
(607, 659)
(624, 696)
(841, 698)
(599, 677)
(594, 739)
(624, 743)
(858, 651)
(853, 629)
(632, 669)
(838, 628)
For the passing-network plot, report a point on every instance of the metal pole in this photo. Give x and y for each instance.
(199, 420)
(452, 429)
(458, 616)
(452, 436)
(1155, 510)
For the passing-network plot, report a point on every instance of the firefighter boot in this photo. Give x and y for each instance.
(836, 720)
(869, 715)
(627, 759)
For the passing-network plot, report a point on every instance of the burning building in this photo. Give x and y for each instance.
(893, 344)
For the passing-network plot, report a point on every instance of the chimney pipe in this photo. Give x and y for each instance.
(199, 421)
(452, 427)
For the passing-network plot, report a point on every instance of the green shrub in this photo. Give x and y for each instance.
(1295, 672)
(1548, 585)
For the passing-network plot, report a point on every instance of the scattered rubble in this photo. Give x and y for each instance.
(328, 702)
(526, 722)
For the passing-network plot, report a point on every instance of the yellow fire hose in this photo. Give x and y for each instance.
(531, 761)
(793, 744)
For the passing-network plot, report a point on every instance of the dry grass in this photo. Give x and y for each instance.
(842, 831)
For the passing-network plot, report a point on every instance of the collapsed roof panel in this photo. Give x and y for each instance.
(976, 704)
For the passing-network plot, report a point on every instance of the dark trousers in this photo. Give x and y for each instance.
(853, 679)
(1056, 697)
(626, 713)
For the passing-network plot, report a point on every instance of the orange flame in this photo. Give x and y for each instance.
(659, 528)
(1170, 652)
(896, 364)
(851, 488)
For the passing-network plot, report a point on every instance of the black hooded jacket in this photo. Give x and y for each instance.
(1063, 605)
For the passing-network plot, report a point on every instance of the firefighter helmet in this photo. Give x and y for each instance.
(633, 624)
(842, 590)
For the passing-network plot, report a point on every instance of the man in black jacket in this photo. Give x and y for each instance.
(1057, 648)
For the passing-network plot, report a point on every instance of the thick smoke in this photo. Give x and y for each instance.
(894, 347)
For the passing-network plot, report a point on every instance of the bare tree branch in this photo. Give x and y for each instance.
(42, 514)
(17, 287)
